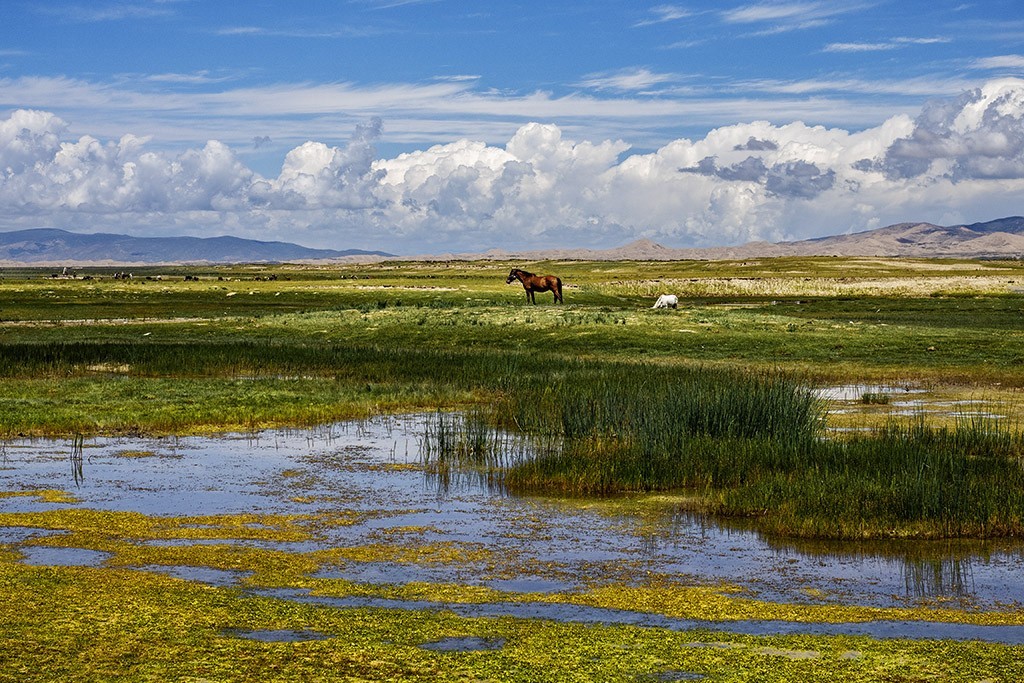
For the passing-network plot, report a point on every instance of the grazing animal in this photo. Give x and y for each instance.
(666, 301)
(536, 283)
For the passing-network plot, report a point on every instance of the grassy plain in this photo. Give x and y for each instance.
(318, 343)
(251, 347)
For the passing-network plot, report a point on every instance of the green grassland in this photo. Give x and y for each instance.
(356, 339)
(711, 402)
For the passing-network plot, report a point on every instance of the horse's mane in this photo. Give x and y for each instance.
(523, 272)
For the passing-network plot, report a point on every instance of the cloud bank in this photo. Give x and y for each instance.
(959, 159)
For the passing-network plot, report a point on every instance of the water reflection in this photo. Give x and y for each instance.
(374, 471)
(77, 459)
(464, 644)
(933, 570)
(938, 578)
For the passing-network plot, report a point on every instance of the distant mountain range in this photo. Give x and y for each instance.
(51, 246)
(1002, 238)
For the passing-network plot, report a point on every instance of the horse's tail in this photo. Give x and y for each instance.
(558, 290)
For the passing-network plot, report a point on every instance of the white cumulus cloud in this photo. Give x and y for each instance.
(960, 159)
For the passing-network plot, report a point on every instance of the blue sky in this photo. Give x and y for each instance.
(427, 125)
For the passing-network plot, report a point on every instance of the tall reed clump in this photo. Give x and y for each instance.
(747, 445)
(457, 446)
(640, 428)
(901, 481)
(613, 427)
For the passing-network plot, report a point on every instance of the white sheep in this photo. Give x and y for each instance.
(666, 301)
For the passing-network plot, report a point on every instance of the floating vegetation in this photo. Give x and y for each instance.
(44, 495)
(85, 624)
(135, 454)
(251, 596)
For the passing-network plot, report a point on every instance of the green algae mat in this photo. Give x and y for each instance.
(332, 554)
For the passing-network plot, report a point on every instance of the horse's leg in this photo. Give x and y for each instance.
(531, 296)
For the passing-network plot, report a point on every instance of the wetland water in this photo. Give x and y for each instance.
(516, 544)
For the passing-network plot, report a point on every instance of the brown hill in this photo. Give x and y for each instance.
(1001, 238)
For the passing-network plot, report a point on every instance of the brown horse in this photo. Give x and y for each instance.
(536, 283)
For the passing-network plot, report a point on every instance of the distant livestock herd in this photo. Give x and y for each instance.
(531, 284)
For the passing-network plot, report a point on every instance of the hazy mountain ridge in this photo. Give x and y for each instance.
(52, 246)
(1000, 238)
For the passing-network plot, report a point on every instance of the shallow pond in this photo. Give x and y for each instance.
(518, 544)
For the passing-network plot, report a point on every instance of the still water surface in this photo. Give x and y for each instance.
(536, 544)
